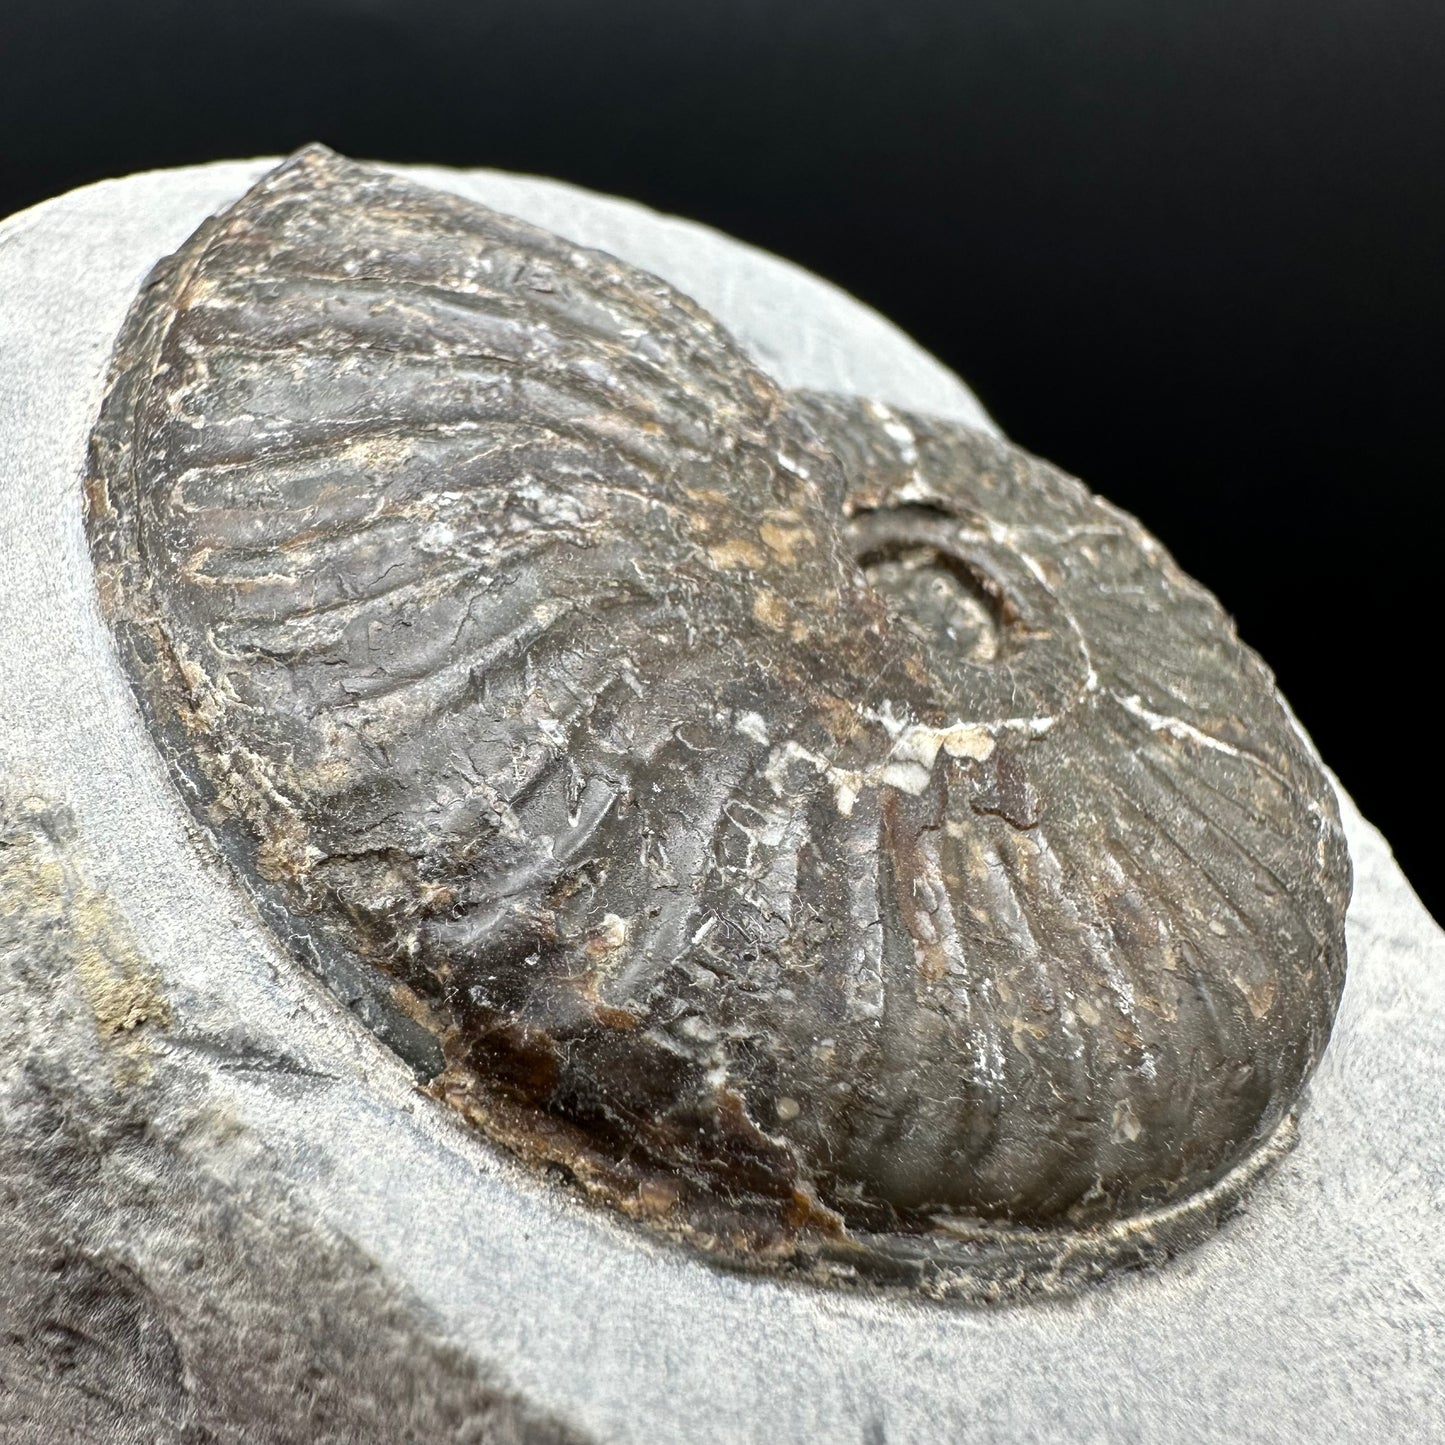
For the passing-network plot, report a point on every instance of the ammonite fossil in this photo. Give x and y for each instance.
(829, 834)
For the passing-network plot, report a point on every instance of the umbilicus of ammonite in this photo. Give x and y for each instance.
(826, 833)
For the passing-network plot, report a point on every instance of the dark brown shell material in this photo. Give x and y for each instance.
(830, 834)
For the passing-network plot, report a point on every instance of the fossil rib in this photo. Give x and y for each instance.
(828, 833)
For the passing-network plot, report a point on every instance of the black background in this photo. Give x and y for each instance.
(1194, 252)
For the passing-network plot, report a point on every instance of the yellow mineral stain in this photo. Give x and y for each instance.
(932, 961)
(1126, 1126)
(737, 553)
(783, 542)
(609, 936)
(657, 1197)
(285, 852)
(1259, 996)
(1021, 1027)
(709, 495)
(419, 1010)
(770, 609)
(41, 890)
(616, 1018)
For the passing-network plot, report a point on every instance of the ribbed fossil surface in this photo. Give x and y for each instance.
(827, 833)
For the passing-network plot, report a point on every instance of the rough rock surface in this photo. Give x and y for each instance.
(177, 1032)
(159, 1285)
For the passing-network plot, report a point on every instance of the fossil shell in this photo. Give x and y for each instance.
(830, 834)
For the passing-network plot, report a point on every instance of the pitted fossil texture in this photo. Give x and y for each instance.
(830, 834)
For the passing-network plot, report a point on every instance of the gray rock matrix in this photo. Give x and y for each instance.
(226, 1213)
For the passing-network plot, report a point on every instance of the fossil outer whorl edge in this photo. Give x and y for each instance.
(830, 834)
